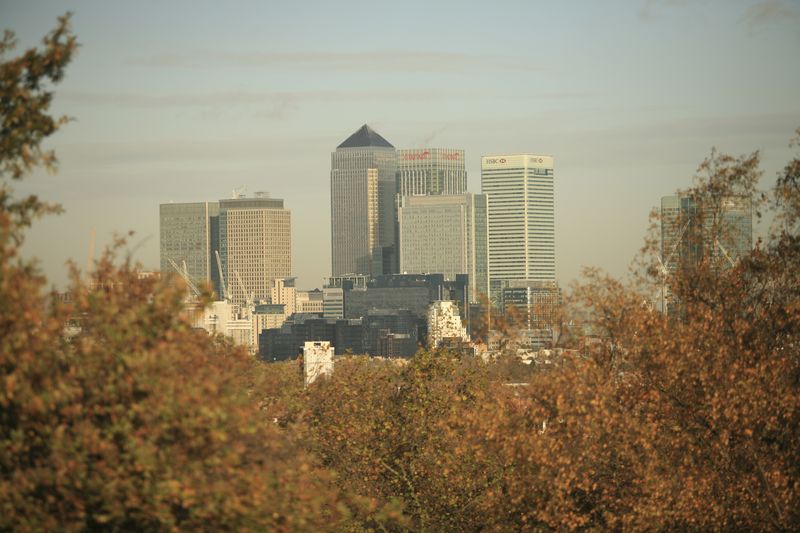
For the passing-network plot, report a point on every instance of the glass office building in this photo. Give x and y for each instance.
(693, 229)
(696, 229)
(188, 233)
(442, 234)
(363, 210)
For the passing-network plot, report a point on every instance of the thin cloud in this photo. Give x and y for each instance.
(647, 9)
(281, 101)
(396, 60)
(767, 12)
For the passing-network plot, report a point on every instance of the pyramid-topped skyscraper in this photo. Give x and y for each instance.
(364, 137)
(363, 185)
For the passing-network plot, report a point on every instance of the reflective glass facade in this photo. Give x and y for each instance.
(188, 234)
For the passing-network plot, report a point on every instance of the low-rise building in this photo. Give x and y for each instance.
(444, 324)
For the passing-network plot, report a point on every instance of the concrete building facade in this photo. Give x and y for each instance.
(255, 246)
(284, 292)
(444, 323)
(317, 360)
(310, 302)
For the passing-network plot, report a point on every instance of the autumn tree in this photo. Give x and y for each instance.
(687, 422)
(135, 422)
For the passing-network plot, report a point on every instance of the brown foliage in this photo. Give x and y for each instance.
(690, 423)
(137, 421)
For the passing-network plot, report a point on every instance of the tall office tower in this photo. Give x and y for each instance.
(442, 234)
(255, 245)
(431, 171)
(189, 234)
(696, 229)
(521, 218)
(363, 213)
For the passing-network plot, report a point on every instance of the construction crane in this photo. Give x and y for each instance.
(185, 275)
(248, 298)
(221, 277)
(725, 253)
(250, 308)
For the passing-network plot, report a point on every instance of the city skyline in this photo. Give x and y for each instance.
(630, 99)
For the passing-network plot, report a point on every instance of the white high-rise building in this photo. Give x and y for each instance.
(521, 218)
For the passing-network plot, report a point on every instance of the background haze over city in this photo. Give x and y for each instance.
(185, 101)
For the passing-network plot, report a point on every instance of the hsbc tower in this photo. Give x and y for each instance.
(520, 218)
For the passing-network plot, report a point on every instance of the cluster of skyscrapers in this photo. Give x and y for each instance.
(239, 245)
(405, 234)
(408, 211)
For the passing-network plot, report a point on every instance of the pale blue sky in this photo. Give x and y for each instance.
(185, 101)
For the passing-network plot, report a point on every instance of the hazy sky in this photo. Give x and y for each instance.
(185, 101)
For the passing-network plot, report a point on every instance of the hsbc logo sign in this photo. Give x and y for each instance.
(537, 160)
(495, 160)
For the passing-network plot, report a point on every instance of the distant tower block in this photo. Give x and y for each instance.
(317, 360)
